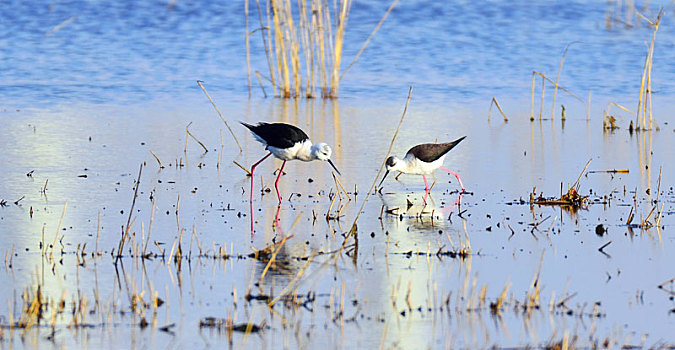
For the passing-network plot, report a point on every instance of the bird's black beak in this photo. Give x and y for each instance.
(384, 177)
(333, 165)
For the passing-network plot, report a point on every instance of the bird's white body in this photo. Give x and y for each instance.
(413, 165)
(301, 151)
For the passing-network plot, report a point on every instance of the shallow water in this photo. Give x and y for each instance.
(117, 82)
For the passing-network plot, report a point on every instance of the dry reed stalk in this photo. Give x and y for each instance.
(372, 34)
(494, 102)
(262, 87)
(352, 232)
(543, 88)
(557, 78)
(248, 172)
(645, 92)
(266, 43)
(161, 166)
(58, 227)
(318, 19)
(344, 6)
(152, 218)
(532, 97)
(98, 231)
(280, 50)
(187, 130)
(339, 183)
(219, 114)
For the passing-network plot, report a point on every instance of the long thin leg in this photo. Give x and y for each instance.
(276, 183)
(253, 169)
(251, 201)
(276, 218)
(426, 188)
(456, 175)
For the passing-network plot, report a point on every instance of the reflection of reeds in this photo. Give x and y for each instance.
(304, 44)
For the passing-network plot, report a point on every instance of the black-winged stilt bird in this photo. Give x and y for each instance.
(423, 159)
(287, 142)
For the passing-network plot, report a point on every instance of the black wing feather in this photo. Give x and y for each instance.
(429, 152)
(280, 135)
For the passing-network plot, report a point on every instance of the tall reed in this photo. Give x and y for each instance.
(304, 45)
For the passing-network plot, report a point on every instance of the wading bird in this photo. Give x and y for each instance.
(287, 142)
(423, 159)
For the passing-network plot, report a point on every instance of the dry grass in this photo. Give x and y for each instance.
(304, 45)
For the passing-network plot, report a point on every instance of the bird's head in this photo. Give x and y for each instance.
(322, 151)
(392, 164)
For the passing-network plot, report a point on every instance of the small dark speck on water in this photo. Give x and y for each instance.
(310, 180)
(372, 234)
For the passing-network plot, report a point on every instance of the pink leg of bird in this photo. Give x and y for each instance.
(251, 201)
(276, 183)
(253, 169)
(426, 188)
(276, 218)
(456, 175)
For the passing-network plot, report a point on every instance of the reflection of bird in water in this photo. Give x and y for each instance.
(287, 142)
(423, 159)
(285, 266)
(428, 219)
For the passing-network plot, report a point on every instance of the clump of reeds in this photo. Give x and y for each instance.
(556, 86)
(570, 198)
(644, 107)
(304, 45)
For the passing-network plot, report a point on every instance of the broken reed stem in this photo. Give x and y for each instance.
(262, 87)
(219, 114)
(248, 172)
(379, 171)
(98, 230)
(187, 130)
(58, 227)
(161, 166)
(372, 34)
(494, 102)
(152, 218)
(576, 183)
(620, 107)
(557, 78)
(337, 181)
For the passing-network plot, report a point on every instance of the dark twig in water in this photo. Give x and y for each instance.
(125, 234)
